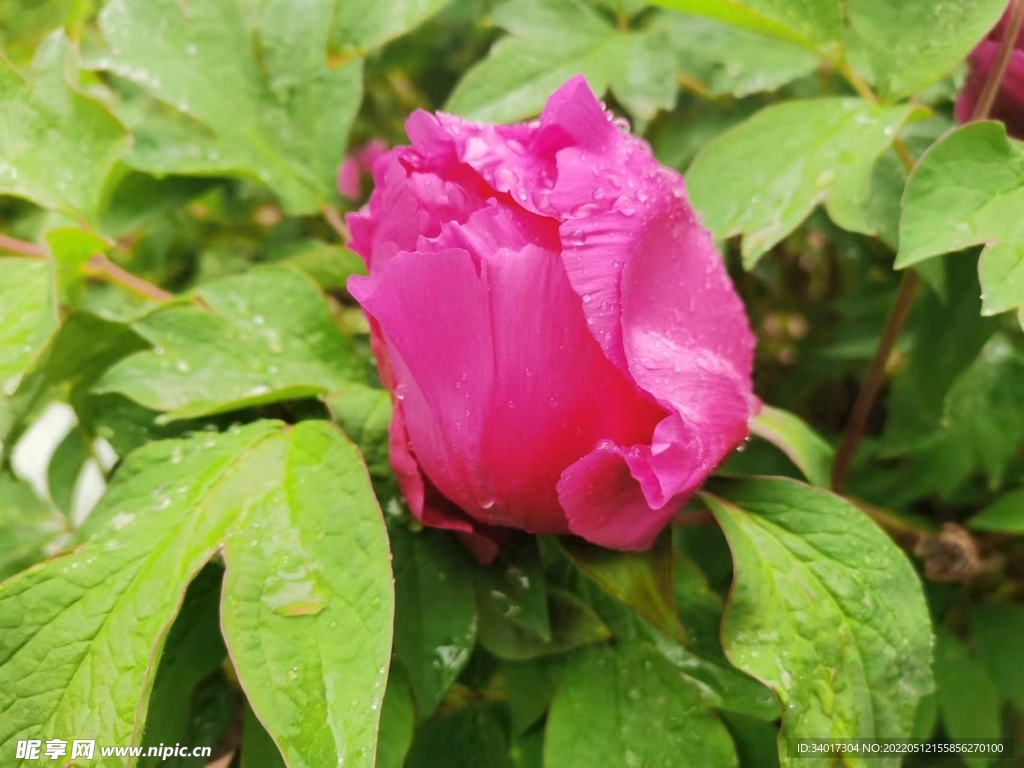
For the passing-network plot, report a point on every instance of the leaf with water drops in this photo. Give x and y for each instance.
(792, 435)
(549, 41)
(260, 337)
(57, 145)
(361, 25)
(102, 610)
(435, 615)
(28, 316)
(515, 588)
(825, 610)
(627, 706)
(968, 190)
(823, 151)
(245, 90)
(308, 605)
(731, 61)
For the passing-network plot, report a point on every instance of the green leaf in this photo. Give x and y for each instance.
(102, 610)
(641, 580)
(281, 117)
(815, 24)
(755, 740)
(627, 706)
(792, 435)
(193, 651)
(66, 466)
(72, 248)
(515, 588)
(824, 609)
(28, 316)
(364, 413)
(549, 42)
(435, 616)
(308, 610)
(471, 736)
(914, 43)
(260, 337)
(824, 151)
(361, 25)
(1004, 515)
(57, 146)
(731, 61)
(968, 699)
(27, 525)
(967, 190)
(528, 687)
(574, 624)
(330, 266)
(996, 631)
(397, 722)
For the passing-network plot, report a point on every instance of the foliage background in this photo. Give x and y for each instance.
(173, 270)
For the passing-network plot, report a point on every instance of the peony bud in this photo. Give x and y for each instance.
(357, 165)
(564, 348)
(1009, 103)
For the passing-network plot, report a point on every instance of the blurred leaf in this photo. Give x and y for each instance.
(27, 316)
(792, 435)
(72, 248)
(138, 200)
(824, 151)
(361, 25)
(294, 515)
(968, 700)
(641, 580)
(967, 190)
(755, 740)
(574, 624)
(825, 609)
(627, 706)
(1005, 515)
(329, 265)
(435, 617)
(814, 24)
(57, 146)
(731, 61)
(27, 525)
(258, 748)
(469, 737)
(65, 467)
(260, 337)
(914, 43)
(996, 631)
(528, 687)
(23, 25)
(515, 588)
(528, 749)
(282, 118)
(193, 651)
(397, 722)
(549, 41)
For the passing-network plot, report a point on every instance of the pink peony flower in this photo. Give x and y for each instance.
(1009, 103)
(565, 350)
(356, 165)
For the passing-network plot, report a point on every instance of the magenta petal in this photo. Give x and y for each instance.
(441, 376)
(605, 504)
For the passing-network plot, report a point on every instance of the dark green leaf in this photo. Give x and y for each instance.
(1005, 514)
(260, 337)
(968, 699)
(472, 737)
(641, 580)
(516, 589)
(528, 687)
(258, 748)
(996, 631)
(573, 624)
(364, 413)
(824, 609)
(397, 722)
(435, 618)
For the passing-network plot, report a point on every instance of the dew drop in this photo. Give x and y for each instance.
(578, 237)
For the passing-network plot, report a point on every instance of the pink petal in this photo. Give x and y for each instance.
(441, 376)
(348, 178)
